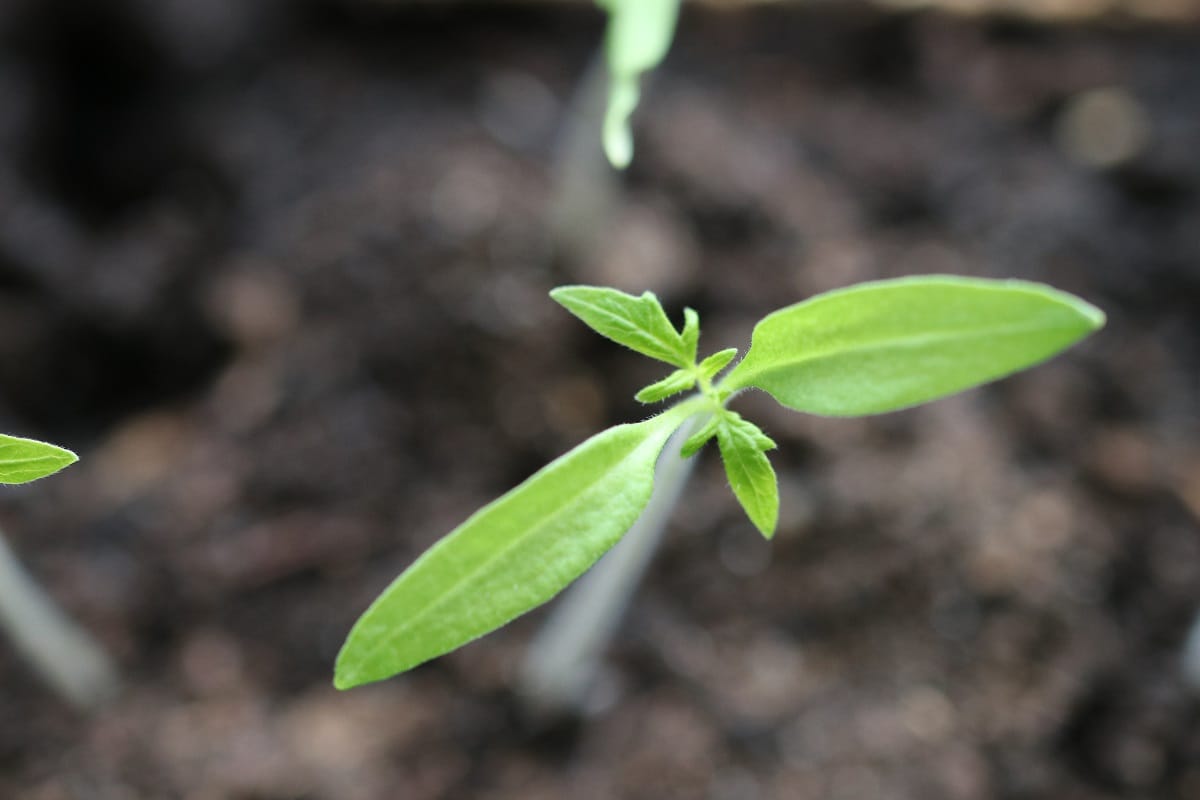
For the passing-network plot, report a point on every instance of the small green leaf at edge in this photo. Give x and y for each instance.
(887, 345)
(639, 323)
(678, 381)
(25, 460)
(512, 555)
(749, 470)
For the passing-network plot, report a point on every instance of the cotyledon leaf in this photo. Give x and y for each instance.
(891, 344)
(512, 555)
(25, 460)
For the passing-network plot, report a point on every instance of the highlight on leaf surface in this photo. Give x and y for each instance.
(25, 460)
(512, 555)
(891, 344)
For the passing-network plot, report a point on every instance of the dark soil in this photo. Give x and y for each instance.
(278, 270)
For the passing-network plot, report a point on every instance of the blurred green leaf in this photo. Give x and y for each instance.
(639, 35)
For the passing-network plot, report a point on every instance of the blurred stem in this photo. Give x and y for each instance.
(62, 653)
(564, 659)
(1191, 656)
(586, 192)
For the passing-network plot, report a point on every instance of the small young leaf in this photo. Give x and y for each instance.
(891, 344)
(639, 35)
(678, 381)
(639, 323)
(690, 334)
(512, 555)
(749, 471)
(700, 438)
(710, 366)
(25, 460)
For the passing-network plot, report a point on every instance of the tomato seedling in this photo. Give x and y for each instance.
(867, 349)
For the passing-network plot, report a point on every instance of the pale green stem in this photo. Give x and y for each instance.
(62, 654)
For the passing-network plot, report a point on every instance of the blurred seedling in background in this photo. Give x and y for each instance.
(638, 37)
(867, 349)
(62, 653)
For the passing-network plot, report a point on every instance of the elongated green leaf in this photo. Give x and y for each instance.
(25, 460)
(639, 323)
(678, 381)
(749, 471)
(512, 555)
(888, 345)
(639, 35)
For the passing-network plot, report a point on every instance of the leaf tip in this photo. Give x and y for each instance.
(767, 529)
(346, 676)
(561, 294)
(1096, 318)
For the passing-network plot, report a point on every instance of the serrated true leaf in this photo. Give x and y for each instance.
(887, 345)
(510, 556)
(639, 323)
(710, 366)
(678, 381)
(25, 460)
(750, 475)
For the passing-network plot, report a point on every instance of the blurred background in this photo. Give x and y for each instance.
(278, 271)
